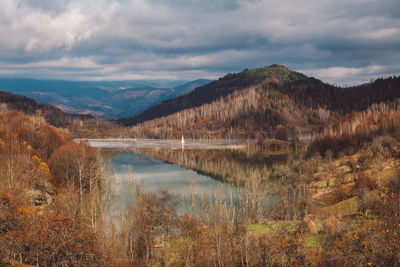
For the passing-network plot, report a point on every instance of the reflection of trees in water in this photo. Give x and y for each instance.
(233, 166)
(272, 186)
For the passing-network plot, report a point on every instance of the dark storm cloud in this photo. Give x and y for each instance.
(338, 41)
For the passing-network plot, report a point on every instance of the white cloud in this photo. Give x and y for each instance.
(65, 62)
(131, 38)
(349, 75)
(383, 33)
(34, 30)
(343, 72)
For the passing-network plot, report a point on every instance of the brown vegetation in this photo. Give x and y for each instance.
(35, 229)
(53, 200)
(252, 112)
(304, 106)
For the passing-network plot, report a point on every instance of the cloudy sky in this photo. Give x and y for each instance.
(338, 41)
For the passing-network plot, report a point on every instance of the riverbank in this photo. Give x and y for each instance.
(164, 143)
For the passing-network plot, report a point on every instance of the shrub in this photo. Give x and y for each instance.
(364, 182)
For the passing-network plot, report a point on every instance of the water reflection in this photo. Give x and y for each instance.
(229, 165)
(206, 182)
(132, 171)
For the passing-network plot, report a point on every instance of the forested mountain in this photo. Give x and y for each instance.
(213, 91)
(315, 94)
(253, 103)
(105, 99)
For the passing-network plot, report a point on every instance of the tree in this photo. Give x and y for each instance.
(153, 215)
(74, 163)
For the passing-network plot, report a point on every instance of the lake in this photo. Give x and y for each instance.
(230, 178)
(130, 169)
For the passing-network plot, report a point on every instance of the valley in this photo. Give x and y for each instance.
(103, 100)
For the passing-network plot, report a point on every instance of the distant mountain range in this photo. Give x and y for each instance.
(105, 100)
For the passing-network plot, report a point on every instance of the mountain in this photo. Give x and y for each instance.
(106, 99)
(214, 90)
(28, 106)
(267, 102)
(314, 94)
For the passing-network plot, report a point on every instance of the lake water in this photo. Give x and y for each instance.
(205, 180)
(189, 187)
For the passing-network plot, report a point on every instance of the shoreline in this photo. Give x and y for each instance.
(104, 143)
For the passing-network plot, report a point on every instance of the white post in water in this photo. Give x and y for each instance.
(183, 142)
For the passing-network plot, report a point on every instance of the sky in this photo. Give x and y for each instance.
(338, 41)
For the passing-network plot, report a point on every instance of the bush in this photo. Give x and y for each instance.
(364, 182)
(45, 238)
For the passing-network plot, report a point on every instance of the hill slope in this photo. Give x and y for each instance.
(314, 94)
(246, 105)
(28, 106)
(214, 90)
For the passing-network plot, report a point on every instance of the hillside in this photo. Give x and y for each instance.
(213, 91)
(28, 106)
(315, 94)
(105, 99)
(254, 103)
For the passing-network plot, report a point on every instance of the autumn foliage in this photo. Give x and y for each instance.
(351, 133)
(52, 199)
(45, 238)
(37, 162)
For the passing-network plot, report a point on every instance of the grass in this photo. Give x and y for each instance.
(278, 226)
(343, 208)
(258, 228)
(289, 227)
(312, 241)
